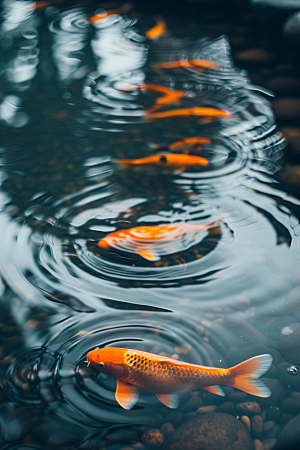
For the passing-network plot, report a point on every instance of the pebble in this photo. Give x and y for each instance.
(293, 300)
(292, 135)
(258, 445)
(213, 431)
(278, 392)
(291, 29)
(246, 422)
(250, 407)
(289, 343)
(207, 409)
(268, 425)
(257, 425)
(153, 437)
(167, 428)
(290, 405)
(226, 407)
(193, 404)
(274, 432)
(255, 56)
(269, 443)
(289, 437)
(287, 109)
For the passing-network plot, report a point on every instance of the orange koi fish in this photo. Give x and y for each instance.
(206, 112)
(195, 142)
(111, 12)
(166, 377)
(167, 161)
(201, 63)
(170, 96)
(158, 30)
(152, 242)
(38, 5)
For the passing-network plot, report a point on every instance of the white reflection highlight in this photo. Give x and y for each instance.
(10, 112)
(69, 40)
(15, 13)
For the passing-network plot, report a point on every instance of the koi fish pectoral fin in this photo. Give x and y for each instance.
(151, 256)
(215, 390)
(126, 394)
(169, 400)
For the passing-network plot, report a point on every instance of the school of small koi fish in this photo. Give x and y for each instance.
(133, 369)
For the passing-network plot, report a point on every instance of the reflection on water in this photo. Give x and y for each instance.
(195, 263)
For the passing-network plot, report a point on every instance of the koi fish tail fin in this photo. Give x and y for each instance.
(123, 164)
(246, 374)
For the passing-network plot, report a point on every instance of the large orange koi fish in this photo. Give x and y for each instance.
(167, 161)
(196, 111)
(166, 377)
(152, 242)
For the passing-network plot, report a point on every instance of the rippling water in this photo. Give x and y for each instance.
(72, 103)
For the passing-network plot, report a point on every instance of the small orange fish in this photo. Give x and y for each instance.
(158, 30)
(195, 142)
(170, 96)
(206, 112)
(166, 377)
(201, 63)
(111, 12)
(167, 161)
(152, 242)
(38, 5)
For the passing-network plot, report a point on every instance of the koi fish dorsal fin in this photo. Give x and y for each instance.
(151, 256)
(215, 390)
(247, 373)
(126, 394)
(169, 400)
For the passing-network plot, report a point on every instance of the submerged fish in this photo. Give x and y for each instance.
(167, 161)
(196, 111)
(152, 242)
(158, 30)
(110, 12)
(166, 377)
(201, 63)
(42, 4)
(186, 143)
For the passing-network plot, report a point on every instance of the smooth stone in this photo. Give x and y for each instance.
(268, 425)
(289, 343)
(286, 4)
(250, 407)
(153, 437)
(284, 85)
(288, 380)
(289, 437)
(290, 405)
(193, 404)
(274, 413)
(287, 108)
(269, 444)
(242, 354)
(274, 432)
(226, 407)
(246, 421)
(257, 424)
(255, 56)
(258, 445)
(167, 428)
(213, 431)
(293, 300)
(291, 29)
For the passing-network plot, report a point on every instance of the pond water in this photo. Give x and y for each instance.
(76, 96)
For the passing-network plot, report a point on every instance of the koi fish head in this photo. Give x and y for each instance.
(109, 360)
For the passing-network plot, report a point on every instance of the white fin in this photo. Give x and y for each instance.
(215, 390)
(126, 394)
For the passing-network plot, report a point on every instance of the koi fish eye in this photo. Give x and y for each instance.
(101, 364)
(163, 159)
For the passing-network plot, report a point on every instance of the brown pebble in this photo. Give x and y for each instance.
(153, 437)
(167, 428)
(207, 409)
(287, 108)
(269, 443)
(257, 424)
(258, 445)
(251, 407)
(268, 426)
(226, 407)
(274, 432)
(255, 55)
(246, 422)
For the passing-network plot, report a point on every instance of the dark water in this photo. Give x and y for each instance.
(213, 297)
